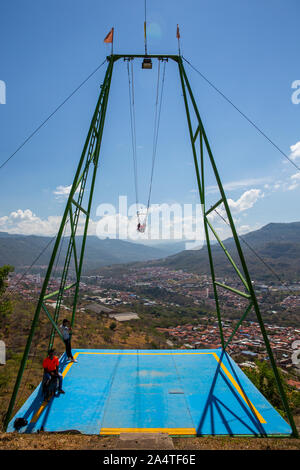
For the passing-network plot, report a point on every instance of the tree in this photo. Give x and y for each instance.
(5, 304)
(4, 272)
(263, 378)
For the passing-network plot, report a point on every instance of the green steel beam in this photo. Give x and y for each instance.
(94, 139)
(241, 255)
(73, 232)
(196, 134)
(76, 182)
(53, 294)
(239, 324)
(116, 57)
(228, 255)
(52, 322)
(79, 207)
(96, 159)
(192, 138)
(200, 181)
(212, 208)
(232, 289)
(93, 156)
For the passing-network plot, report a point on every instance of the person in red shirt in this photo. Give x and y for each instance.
(50, 365)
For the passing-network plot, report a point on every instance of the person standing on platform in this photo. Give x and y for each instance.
(66, 332)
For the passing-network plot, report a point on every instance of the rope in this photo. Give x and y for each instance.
(8, 294)
(39, 328)
(156, 129)
(29, 269)
(133, 131)
(158, 106)
(52, 114)
(29, 369)
(243, 115)
(60, 249)
(145, 27)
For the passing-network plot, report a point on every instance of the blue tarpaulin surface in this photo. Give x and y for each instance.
(180, 392)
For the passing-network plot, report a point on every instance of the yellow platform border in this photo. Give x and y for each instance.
(170, 431)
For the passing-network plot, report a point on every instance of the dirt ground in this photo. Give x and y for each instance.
(68, 441)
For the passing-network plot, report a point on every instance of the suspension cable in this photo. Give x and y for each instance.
(145, 27)
(14, 287)
(156, 127)
(243, 115)
(52, 114)
(257, 255)
(133, 131)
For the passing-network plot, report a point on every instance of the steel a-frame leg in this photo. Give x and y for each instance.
(199, 136)
(73, 210)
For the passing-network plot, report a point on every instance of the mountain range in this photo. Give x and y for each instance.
(21, 250)
(273, 248)
(277, 244)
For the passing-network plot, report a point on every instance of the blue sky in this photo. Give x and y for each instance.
(248, 49)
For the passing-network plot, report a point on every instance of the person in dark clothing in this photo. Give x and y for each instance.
(51, 369)
(66, 331)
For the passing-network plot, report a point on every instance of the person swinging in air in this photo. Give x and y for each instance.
(141, 227)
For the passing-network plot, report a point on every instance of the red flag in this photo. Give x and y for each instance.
(110, 36)
(178, 33)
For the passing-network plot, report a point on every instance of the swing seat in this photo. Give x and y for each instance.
(141, 228)
(49, 387)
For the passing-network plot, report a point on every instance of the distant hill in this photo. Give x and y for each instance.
(277, 243)
(22, 250)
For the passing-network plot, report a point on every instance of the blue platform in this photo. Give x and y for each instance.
(180, 392)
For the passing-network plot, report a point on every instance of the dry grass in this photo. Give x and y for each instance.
(91, 331)
(65, 441)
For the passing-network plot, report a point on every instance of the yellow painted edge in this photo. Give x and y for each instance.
(143, 354)
(236, 385)
(38, 412)
(233, 381)
(69, 366)
(116, 431)
(173, 431)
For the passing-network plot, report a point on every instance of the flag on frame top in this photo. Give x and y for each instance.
(110, 37)
(177, 32)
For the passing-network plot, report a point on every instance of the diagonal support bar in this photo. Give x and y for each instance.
(53, 322)
(53, 294)
(82, 168)
(232, 289)
(212, 208)
(239, 323)
(252, 294)
(229, 256)
(79, 207)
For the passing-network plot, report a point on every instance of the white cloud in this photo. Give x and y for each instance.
(295, 181)
(63, 191)
(246, 201)
(25, 222)
(244, 183)
(295, 151)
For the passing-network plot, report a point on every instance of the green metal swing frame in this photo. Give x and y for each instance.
(74, 209)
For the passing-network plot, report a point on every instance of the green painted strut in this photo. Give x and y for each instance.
(84, 163)
(252, 295)
(87, 172)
